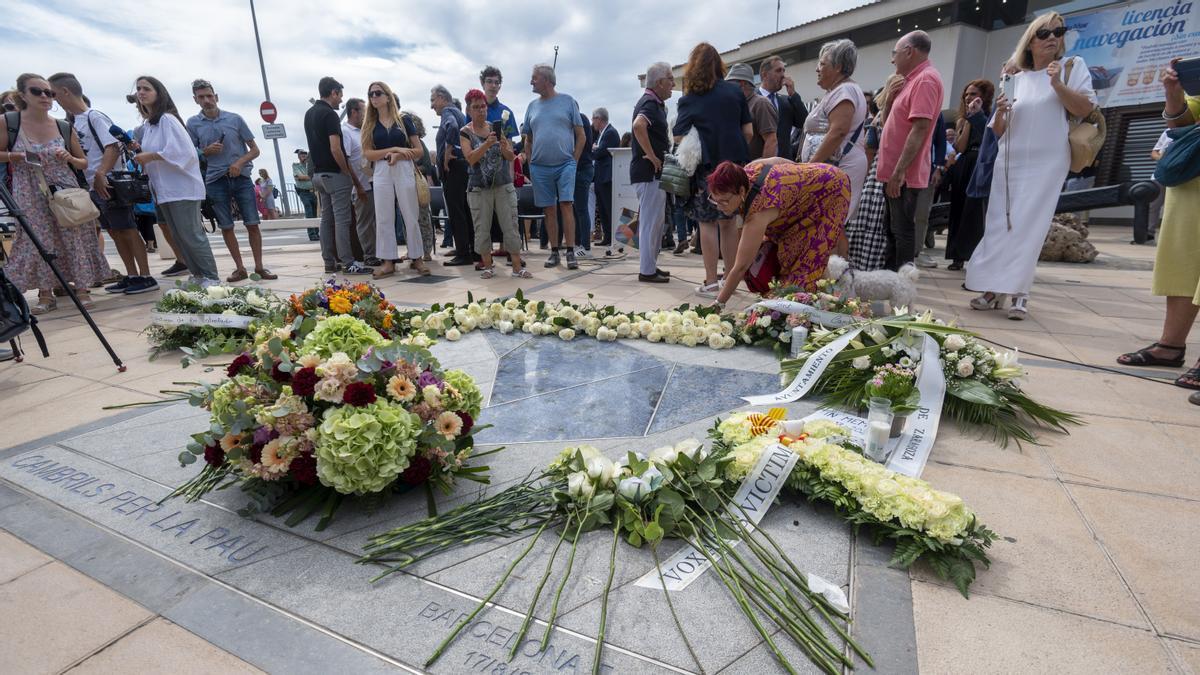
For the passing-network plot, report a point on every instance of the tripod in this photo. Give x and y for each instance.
(11, 204)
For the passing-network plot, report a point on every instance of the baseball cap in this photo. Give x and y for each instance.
(741, 72)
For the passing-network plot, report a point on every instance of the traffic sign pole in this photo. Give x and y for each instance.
(287, 207)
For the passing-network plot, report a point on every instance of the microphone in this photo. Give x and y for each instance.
(120, 134)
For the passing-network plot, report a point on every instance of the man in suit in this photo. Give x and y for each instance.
(792, 111)
(606, 138)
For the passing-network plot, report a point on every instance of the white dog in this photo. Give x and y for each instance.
(898, 288)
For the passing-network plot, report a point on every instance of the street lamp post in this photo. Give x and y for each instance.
(287, 207)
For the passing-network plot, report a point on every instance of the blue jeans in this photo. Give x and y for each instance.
(679, 219)
(309, 200)
(583, 219)
(222, 190)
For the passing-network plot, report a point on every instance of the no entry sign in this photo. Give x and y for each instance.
(268, 111)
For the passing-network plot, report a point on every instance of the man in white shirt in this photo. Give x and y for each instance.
(364, 200)
(103, 151)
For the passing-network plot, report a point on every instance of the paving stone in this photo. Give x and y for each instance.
(17, 558)
(47, 639)
(167, 429)
(549, 364)
(9, 496)
(161, 646)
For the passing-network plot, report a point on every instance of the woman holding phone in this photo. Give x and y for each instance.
(47, 152)
(490, 185)
(967, 213)
(392, 144)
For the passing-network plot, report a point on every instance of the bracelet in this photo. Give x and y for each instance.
(1172, 118)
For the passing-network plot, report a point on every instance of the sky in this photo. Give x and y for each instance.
(412, 46)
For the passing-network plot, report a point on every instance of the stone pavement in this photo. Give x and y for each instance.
(1096, 524)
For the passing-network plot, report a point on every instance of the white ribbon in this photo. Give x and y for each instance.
(914, 445)
(214, 320)
(810, 372)
(817, 316)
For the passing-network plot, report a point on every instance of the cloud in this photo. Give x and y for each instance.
(602, 47)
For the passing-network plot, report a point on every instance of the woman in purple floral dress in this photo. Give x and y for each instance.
(42, 150)
(801, 208)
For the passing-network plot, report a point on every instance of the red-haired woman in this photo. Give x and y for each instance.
(800, 208)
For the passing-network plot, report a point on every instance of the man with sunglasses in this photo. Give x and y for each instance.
(103, 151)
(228, 147)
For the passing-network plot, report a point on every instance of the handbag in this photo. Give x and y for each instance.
(423, 195)
(1181, 162)
(674, 179)
(128, 188)
(1086, 134)
(980, 184)
(71, 207)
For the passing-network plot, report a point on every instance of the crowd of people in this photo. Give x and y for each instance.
(777, 189)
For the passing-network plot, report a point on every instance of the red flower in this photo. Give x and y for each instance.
(418, 470)
(359, 394)
(256, 453)
(467, 420)
(214, 455)
(280, 376)
(304, 469)
(242, 361)
(304, 381)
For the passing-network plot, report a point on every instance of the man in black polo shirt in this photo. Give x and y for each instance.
(332, 178)
(649, 147)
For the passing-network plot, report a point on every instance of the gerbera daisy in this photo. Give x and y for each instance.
(401, 388)
(448, 425)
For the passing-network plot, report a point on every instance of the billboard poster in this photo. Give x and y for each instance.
(1127, 48)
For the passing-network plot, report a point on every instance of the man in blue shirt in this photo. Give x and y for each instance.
(606, 139)
(229, 148)
(452, 167)
(554, 140)
(491, 80)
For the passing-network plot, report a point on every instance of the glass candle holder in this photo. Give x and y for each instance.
(879, 429)
(799, 337)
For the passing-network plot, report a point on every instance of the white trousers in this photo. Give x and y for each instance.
(396, 184)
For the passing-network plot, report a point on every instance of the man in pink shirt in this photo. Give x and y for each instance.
(904, 159)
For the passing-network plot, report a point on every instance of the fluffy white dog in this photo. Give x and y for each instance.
(898, 288)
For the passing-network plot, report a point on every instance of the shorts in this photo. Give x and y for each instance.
(553, 184)
(241, 189)
(112, 216)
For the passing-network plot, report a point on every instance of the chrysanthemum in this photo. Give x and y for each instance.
(448, 425)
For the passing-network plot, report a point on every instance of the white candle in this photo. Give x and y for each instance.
(878, 432)
(799, 337)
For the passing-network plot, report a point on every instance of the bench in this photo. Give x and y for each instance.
(526, 209)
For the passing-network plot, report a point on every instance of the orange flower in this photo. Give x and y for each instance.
(340, 305)
(387, 321)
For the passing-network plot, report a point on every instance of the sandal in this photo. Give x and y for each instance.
(523, 274)
(488, 273)
(1190, 379)
(987, 301)
(382, 272)
(422, 269)
(1018, 311)
(1146, 357)
(44, 305)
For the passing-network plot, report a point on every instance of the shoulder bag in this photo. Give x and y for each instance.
(71, 206)
(1086, 134)
(1181, 162)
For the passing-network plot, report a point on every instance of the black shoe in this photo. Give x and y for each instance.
(572, 263)
(552, 261)
(680, 248)
(543, 246)
(458, 262)
(314, 234)
(141, 285)
(177, 269)
(118, 287)
(955, 266)
(653, 278)
(357, 268)
(697, 251)
(372, 262)
(330, 269)
(661, 272)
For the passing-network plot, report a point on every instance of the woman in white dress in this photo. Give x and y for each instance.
(1031, 165)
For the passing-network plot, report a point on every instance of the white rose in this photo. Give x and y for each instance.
(664, 455)
(954, 343)
(763, 321)
(965, 368)
(453, 334)
(601, 469)
(566, 334)
(505, 327)
(218, 292)
(861, 363)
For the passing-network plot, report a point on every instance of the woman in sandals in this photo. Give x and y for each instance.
(1176, 263)
(391, 143)
(43, 155)
(1032, 162)
(490, 186)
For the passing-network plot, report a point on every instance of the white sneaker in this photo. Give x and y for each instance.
(709, 290)
(581, 252)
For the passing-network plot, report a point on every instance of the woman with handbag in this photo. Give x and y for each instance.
(790, 216)
(490, 186)
(718, 111)
(390, 142)
(1031, 123)
(169, 158)
(834, 131)
(43, 162)
(966, 212)
(1177, 259)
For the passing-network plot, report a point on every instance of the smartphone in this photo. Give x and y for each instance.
(498, 129)
(1004, 79)
(1189, 75)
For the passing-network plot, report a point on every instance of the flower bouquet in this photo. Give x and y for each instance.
(309, 417)
(679, 492)
(982, 385)
(686, 325)
(767, 326)
(213, 320)
(897, 383)
(922, 522)
(362, 300)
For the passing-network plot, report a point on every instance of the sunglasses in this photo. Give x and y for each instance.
(9, 107)
(1045, 33)
(376, 94)
(38, 91)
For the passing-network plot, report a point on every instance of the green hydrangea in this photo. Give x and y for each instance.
(341, 334)
(466, 396)
(239, 388)
(361, 450)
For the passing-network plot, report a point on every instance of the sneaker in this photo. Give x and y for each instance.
(357, 268)
(141, 285)
(177, 269)
(925, 262)
(151, 247)
(680, 248)
(572, 264)
(205, 282)
(709, 290)
(118, 287)
(581, 252)
(552, 261)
